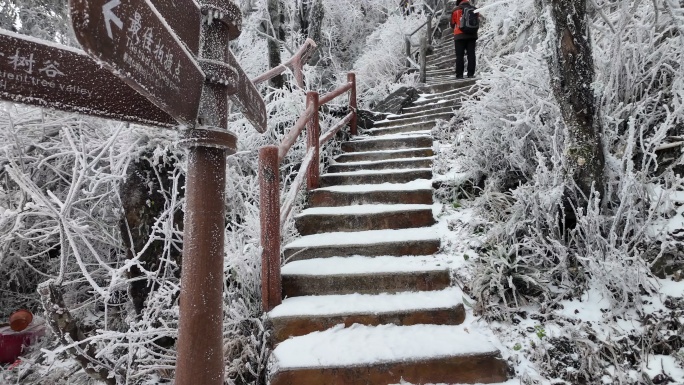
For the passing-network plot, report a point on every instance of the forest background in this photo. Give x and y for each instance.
(94, 207)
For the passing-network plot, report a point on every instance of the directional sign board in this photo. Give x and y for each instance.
(185, 17)
(245, 95)
(132, 39)
(46, 74)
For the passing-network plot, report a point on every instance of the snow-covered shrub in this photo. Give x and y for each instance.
(507, 126)
(541, 251)
(383, 58)
(513, 136)
(346, 25)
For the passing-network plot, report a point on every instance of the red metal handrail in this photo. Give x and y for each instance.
(272, 217)
(291, 137)
(295, 64)
(333, 94)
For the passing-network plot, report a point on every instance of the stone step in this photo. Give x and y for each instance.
(455, 95)
(298, 316)
(364, 275)
(445, 61)
(444, 71)
(418, 192)
(409, 129)
(442, 57)
(370, 156)
(441, 53)
(392, 164)
(421, 241)
(442, 79)
(424, 112)
(447, 73)
(439, 81)
(441, 65)
(453, 85)
(393, 142)
(388, 354)
(449, 102)
(456, 92)
(410, 120)
(422, 103)
(356, 218)
(374, 176)
(443, 46)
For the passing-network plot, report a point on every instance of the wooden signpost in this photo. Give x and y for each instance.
(131, 39)
(50, 75)
(165, 62)
(185, 17)
(152, 50)
(239, 87)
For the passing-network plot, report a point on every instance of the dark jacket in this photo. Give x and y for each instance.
(456, 21)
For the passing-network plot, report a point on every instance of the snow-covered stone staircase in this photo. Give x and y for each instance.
(366, 301)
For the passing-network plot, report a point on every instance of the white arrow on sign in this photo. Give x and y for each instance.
(110, 17)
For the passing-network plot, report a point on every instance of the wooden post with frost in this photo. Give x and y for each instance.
(313, 133)
(353, 125)
(269, 202)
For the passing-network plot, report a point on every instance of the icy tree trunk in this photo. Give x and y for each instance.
(69, 333)
(572, 74)
(316, 15)
(274, 60)
(143, 197)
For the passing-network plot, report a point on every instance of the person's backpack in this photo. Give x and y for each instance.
(470, 22)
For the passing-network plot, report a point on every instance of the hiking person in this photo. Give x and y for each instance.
(465, 22)
(406, 6)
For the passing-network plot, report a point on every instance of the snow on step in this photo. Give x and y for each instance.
(364, 265)
(399, 134)
(407, 135)
(327, 305)
(363, 209)
(372, 345)
(359, 153)
(373, 162)
(378, 172)
(418, 184)
(366, 237)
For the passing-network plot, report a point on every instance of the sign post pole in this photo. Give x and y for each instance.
(200, 335)
(156, 55)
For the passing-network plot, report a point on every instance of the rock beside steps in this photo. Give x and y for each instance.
(366, 302)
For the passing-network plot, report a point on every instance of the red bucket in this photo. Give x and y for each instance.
(12, 342)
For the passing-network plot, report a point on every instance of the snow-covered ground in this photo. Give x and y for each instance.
(575, 335)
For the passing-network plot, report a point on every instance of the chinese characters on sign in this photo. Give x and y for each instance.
(50, 75)
(130, 38)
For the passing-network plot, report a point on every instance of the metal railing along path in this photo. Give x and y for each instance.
(273, 215)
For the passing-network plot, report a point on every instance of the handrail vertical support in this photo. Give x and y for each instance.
(423, 60)
(407, 48)
(429, 30)
(313, 133)
(353, 129)
(299, 76)
(269, 199)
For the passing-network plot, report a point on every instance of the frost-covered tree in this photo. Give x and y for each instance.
(46, 19)
(571, 66)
